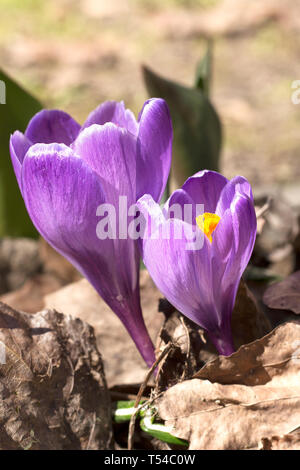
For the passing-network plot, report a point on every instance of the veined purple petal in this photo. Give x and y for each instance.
(186, 278)
(181, 206)
(49, 126)
(18, 146)
(112, 111)
(62, 194)
(65, 177)
(202, 283)
(182, 275)
(152, 214)
(154, 148)
(238, 185)
(111, 152)
(205, 188)
(233, 242)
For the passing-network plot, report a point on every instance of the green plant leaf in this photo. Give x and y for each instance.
(197, 127)
(204, 71)
(18, 109)
(161, 432)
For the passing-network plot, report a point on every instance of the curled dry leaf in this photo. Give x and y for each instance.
(284, 295)
(238, 400)
(53, 393)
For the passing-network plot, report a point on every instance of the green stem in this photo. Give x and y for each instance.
(125, 409)
(160, 431)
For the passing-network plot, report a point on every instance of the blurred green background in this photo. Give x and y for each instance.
(73, 54)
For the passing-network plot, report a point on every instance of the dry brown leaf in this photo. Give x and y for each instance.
(238, 400)
(53, 393)
(287, 442)
(193, 347)
(284, 295)
(122, 361)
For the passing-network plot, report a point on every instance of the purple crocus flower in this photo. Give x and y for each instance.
(65, 172)
(202, 283)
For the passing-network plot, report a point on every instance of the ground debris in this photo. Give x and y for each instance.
(234, 402)
(53, 393)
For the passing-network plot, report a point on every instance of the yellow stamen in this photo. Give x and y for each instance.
(207, 222)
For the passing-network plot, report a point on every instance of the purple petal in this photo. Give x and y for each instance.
(154, 148)
(238, 185)
(180, 205)
(182, 275)
(18, 146)
(187, 279)
(62, 194)
(152, 214)
(233, 242)
(203, 283)
(112, 111)
(205, 188)
(49, 126)
(111, 152)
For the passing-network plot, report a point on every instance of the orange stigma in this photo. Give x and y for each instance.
(207, 222)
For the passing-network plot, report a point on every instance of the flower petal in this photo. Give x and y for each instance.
(18, 146)
(238, 185)
(187, 279)
(49, 126)
(205, 188)
(111, 152)
(181, 206)
(154, 148)
(182, 275)
(112, 111)
(62, 194)
(232, 247)
(202, 283)
(152, 214)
